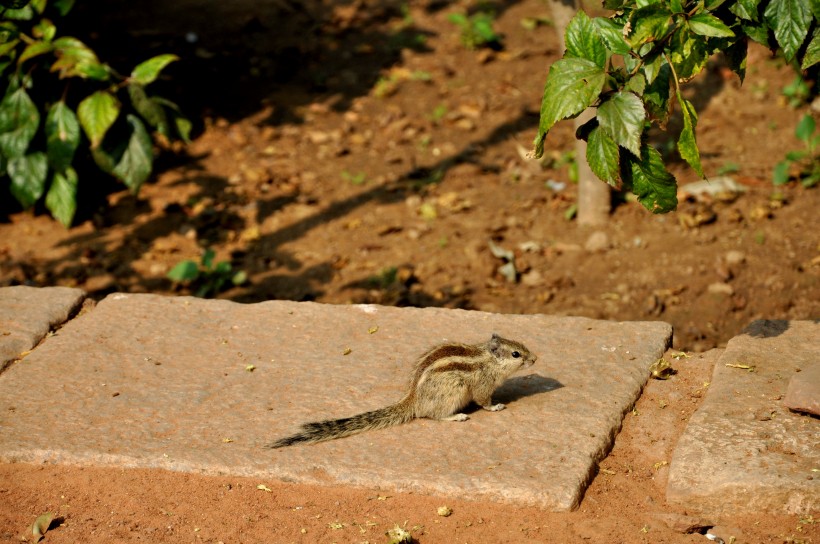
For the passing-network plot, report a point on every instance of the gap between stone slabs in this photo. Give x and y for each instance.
(27, 314)
(743, 450)
(202, 385)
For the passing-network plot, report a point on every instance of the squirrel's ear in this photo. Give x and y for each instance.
(494, 343)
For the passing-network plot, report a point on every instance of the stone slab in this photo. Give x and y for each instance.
(150, 381)
(803, 392)
(28, 313)
(744, 451)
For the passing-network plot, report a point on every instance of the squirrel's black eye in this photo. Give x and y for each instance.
(516, 354)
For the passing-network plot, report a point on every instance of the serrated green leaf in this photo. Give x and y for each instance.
(613, 35)
(135, 164)
(184, 271)
(745, 9)
(688, 53)
(805, 128)
(34, 49)
(649, 24)
(19, 120)
(790, 20)
(757, 31)
(687, 145)
(652, 66)
(583, 40)
(62, 136)
(622, 118)
(706, 24)
(649, 180)
(572, 86)
(61, 199)
(97, 113)
(603, 157)
(636, 84)
(28, 177)
(656, 96)
(812, 55)
(148, 71)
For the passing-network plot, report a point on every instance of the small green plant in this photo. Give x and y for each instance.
(359, 178)
(476, 30)
(728, 168)
(438, 113)
(797, 92)
(59, 79)
(208, 278)
(805, 161)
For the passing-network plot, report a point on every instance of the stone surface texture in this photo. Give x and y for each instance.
(743, 450)
(803, 393)
(28, 313)
(149, 381)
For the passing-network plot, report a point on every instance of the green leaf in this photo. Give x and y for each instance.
(780, 174)
(687, 146)
(28, 177)
(706, 24)
(745, 9)
(135, 165)
(790, 20)
(656, 95)
(45, 30)
(649, 180)
(603, 157)
(622, 118)
(757, 31)
(8, 47)
(636, 84)
(75, 59)
(61, 199)
(97, 113)
(34, 49)
(19, 120)
(649, 24)
(63, 6)
(736, 56)
(184, 271)
(183, 126)
(572, 86)
(613, 35)
(62, 136)
(812, 55)
(149, 109)
(148, 71)
(23, 14)
(688, 53)
(805, 128)
(583, 41)
(208, 259)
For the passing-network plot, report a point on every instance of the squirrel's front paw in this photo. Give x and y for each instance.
(495, 407)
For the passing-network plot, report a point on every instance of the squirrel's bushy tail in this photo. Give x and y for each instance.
(337, 428)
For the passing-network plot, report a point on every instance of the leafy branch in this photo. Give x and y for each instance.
(625, 66)
(37, 65)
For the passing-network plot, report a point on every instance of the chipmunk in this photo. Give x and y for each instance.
(444, 380)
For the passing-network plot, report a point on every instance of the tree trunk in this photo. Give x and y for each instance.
(594, 199)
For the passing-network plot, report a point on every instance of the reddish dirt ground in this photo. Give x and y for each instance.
(360, 153)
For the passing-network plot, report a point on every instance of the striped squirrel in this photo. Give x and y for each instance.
(444, 380)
